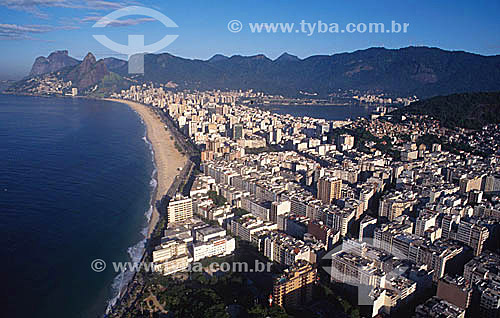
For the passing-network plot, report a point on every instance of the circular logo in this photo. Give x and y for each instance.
(136, 46)
(234, 26)
(98, 265)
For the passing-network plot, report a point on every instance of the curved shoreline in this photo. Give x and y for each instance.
(167, 158)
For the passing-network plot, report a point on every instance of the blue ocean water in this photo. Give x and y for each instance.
(75, 184)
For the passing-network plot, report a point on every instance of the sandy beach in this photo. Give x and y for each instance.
(166, 156)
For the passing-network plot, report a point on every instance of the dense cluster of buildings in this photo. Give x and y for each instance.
(49, 84)
(187, 239)
(400, 225)
(382, 99)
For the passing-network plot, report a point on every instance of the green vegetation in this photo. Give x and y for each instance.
(338, 303)
(178, 148)
(259, 311)
(200, 294)
(110, 83)
(158, 232)
(239, 212)
(362, 137)
(218, 200)
(269, 148)
(454, 147)
(193, 299)
(468, 110)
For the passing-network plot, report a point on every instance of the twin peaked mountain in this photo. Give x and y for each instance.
(420, 71)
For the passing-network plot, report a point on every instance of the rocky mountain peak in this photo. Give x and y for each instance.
(285, 57)
(89, 72)
(53, 62)
(89, 58)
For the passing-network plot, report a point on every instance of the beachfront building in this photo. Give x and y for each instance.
(188, 241)
(170, 257)
(180, 209)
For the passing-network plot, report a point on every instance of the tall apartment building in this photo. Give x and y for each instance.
(323, 233)
(345, 142)
(489, 304)
(349, 267)
(473, 235)
(367, 227)
(483, 266)
(179, 209)
(329, 189)
(237, 131)
(446, 226)
(246, 226)
(383, 236)
(394, 204)
(418, 250)
(470, 183)
(424, 222)
(482, 274)
(286, 250)
(491, 183)
(278, 209)
(257, 207)
(339, 220)
(399, 291)
(295, 286)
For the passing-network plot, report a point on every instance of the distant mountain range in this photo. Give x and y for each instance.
(420, 71)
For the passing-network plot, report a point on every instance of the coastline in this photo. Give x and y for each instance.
(127, 138)
(167, 158)
(161, 138)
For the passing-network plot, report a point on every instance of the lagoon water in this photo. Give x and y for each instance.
(340, 112)
(75, 185)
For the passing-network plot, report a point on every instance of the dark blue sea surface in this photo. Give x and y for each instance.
(75, 185)
(341, 112)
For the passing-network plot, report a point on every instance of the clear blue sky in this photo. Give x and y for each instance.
(30, 28)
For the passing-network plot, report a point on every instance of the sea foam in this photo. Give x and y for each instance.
(136, 251)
